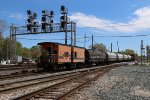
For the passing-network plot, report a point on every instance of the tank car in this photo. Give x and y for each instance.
(120, 57)
(111, 57)
(97, 57)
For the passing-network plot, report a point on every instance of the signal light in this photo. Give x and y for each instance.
(43, 26)
(43, 18)
(35, 29)
(34, 23)
(29, 12)
(62, 17)
(51, 21)
(43, 11)
(29, 27)
(51, 13)
(29, 20)
(63, 25)
(35, 15)
(62, 8)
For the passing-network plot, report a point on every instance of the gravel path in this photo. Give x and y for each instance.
(122, 83)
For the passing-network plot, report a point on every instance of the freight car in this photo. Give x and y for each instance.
(56, 56)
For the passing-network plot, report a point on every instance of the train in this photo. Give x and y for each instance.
(57, 57)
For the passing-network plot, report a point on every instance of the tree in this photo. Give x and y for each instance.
(26, 52)
(3, 26)
(2, 41)
(35, 52)
(129, 52)
(19, 48)
(100, 47)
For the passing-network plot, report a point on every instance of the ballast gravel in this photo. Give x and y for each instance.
(121, 83)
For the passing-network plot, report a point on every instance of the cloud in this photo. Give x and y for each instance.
(140, 22)
(17, 16)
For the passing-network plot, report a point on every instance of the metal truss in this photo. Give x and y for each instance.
(54, 28)
(12, 44)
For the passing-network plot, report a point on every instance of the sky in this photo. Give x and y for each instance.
(106, 20)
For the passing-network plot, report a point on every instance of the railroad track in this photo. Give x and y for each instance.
(12, 76)
(32, 82)
(6, 71)
(29, 86)
(65, 88)
(17, 68)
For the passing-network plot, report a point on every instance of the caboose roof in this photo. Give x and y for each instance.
(43, 43)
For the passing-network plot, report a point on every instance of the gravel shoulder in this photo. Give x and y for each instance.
(121, 83)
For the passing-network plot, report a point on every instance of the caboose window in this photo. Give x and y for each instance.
(55, 51)
(66, 54)
(49, 49)
(75, 54)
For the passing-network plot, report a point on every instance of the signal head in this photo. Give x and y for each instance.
(29, 20)
(62, 18)
(29, 12)
(51, 21)
(62, 8)
(43, 18)
(43, 11)
(51, 13)
(34, 15)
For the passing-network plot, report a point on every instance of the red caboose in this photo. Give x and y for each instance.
(56, 56)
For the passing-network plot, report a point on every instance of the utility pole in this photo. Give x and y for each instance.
(142, 52)
(66, 31)
(85, 41)
(7, 48)
(92, 43)
(111, 47)
(118, 46)
(147, 53)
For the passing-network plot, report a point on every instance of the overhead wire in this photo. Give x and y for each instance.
(141, 35)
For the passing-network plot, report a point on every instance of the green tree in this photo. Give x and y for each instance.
(129, 52)
(3, 27)
(35, 52)
(2, 54)
(26, 52)
(100, 47)
(19, 48)
(3, 44)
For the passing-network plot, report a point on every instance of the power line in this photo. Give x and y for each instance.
(125, 35)
(141, 35)
(118, 25)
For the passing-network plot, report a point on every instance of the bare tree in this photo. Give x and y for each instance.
(3, 26)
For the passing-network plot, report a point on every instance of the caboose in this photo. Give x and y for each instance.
(56, 56)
